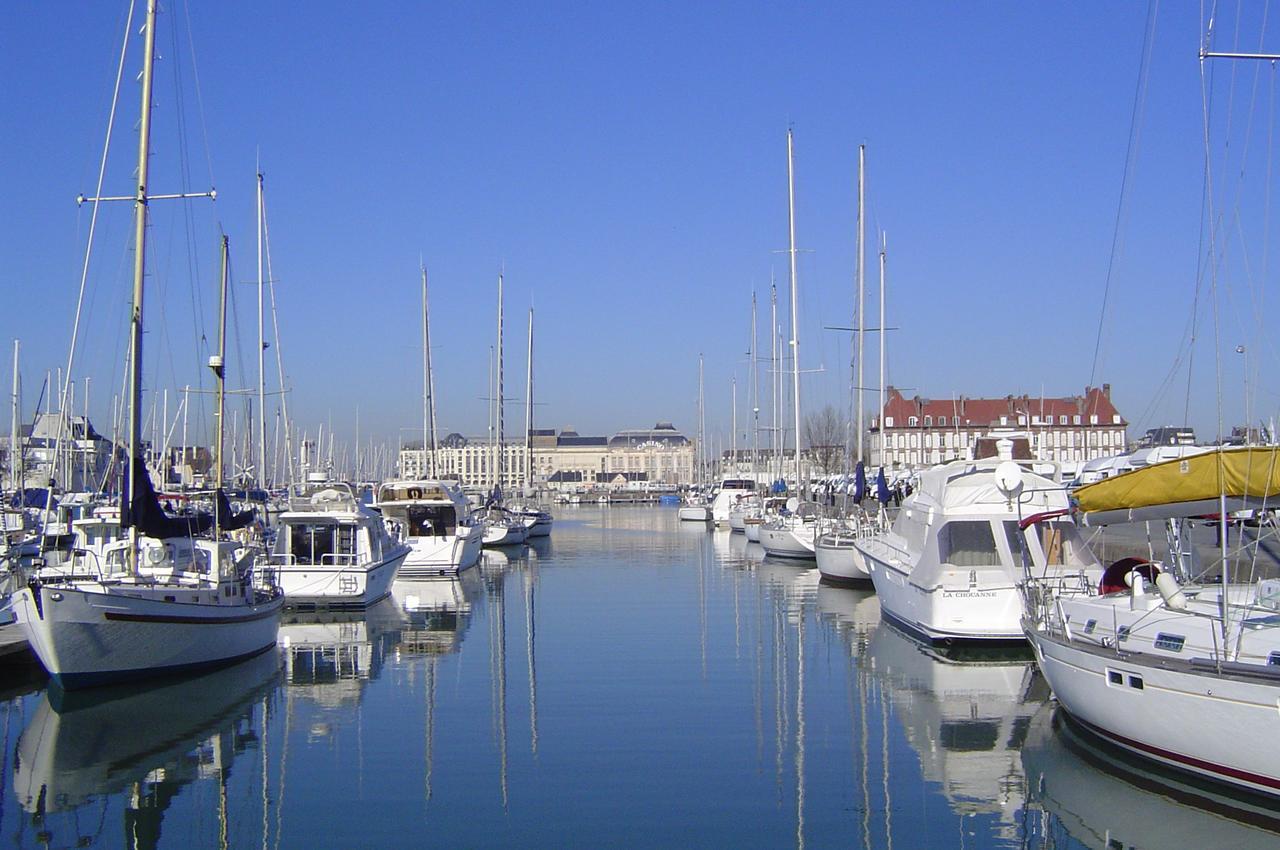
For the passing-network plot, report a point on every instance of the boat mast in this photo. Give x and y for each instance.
(774, 382)
(262, 357)
(702, 430)
(733, 441)
(795, 315)
(862, 325)
(15, 439)
(528, 411)
(501, 420)
(217, 364)
(755, 398)
(884, 246)
(139, 276)
(428, 382)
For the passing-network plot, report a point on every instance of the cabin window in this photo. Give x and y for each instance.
(1273, 660)
(1114, 677)
(1172, 643)
(311, 544)
(968, 543)
(1090, 625)
(1122, 633)
(431, 521)
(346, 540)
(1135, 682)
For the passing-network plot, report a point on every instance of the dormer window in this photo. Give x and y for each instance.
(913, 421)
(1075, 420)
(928, 422)
(942, 420)
(1062, 420)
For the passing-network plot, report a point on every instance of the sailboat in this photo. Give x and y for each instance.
(164, 598)
(501, 527)
(695, 507)
(431, 516)
(537, 520)
(793, 534)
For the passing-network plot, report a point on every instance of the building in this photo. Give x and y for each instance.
(921, 432)
(565, 460)
(83, 455)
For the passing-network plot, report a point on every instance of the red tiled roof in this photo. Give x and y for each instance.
(986, 412)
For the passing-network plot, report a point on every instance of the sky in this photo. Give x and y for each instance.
(624, 166)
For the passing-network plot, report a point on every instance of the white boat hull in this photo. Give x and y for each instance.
(694, 513)
(967, 606)
(1222, 727)
(752, 530)
(840, 561)
(444, 555)
(339, 586)
(504, 535)
(95, 634)
(788, 541)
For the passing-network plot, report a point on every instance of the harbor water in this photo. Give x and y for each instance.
(630, 681)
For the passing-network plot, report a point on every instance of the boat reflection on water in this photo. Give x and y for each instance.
(436, 612)
(81, 751)
(966, 714)
(854, 611)
(1103, 798)
(332, 655)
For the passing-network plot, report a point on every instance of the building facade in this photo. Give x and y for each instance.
(917, 432)
(566, 460)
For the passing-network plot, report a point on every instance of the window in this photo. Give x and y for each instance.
(942, 420)
(1090, 625)
(1273, 660)
(888, 422)
(1075, 420)
(1122, 633)
(309, 544)
(1093, 419)
(1135, 682)
(912, 421)
(928, 422)
(1114, 677)
(1171, 643)
(968, 543)
(1062, 420)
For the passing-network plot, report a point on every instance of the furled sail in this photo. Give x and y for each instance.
(1246, 477)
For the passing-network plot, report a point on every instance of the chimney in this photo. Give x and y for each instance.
(1106, 391)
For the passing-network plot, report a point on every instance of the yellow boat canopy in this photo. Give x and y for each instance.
(1248, 477)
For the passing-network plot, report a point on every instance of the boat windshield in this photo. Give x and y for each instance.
(968, 543)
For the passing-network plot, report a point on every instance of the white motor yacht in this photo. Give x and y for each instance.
(949, 567)
(694, 508)
(727, 496)
(434, 520)
(331, 550)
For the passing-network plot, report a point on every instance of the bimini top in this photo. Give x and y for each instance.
(1245, 477)
(968, 486)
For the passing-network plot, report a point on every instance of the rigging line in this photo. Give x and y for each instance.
(1130, 160)
(195, 76)
(275, 338)
(88, 250)
(1213, 266)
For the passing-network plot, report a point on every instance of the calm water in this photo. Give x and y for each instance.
(630, 682)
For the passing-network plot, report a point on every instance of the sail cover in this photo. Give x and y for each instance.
(1248, 477)
(146, 514)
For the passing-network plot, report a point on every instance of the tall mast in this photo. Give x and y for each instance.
(219, 371)
(262, 357)
(428, 383)
(884, 242)
(15, 439)
(139, 276)
(774, 378)
(528, 411)
(862, 325)
(733, 440)
(502, 461)
(755, 397)
(795, 303)
(702, 430)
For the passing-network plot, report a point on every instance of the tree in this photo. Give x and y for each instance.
(824, 434)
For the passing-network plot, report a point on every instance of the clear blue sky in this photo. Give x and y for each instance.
(626, 164)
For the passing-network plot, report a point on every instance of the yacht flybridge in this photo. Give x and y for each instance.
(434, 520)
(331, 550)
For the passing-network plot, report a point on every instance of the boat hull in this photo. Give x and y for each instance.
(504, 535)
(959, 611)
(840, 562)
(752, 530)
(338, 586)
(1161, 711)
(444, 555)
(86, 637)
(788, 541)
(694, 513)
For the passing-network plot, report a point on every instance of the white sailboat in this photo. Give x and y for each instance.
(501, 526)
(537, 520)
(163, 599)
(793, 534)
(1141, 659)
(695, 506)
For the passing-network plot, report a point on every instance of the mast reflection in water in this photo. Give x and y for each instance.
(629, 681)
